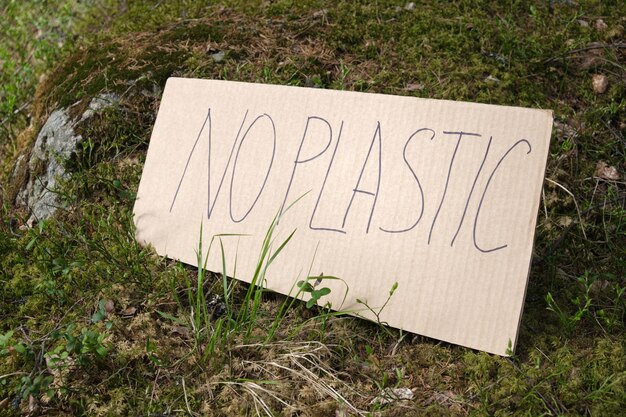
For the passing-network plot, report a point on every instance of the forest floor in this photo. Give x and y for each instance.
(91, 323)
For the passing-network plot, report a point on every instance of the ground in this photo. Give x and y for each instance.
(91, 323)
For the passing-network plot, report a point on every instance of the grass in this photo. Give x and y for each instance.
(91, 323)
(31, 41)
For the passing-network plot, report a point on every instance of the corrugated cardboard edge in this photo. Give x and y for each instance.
(550, 114)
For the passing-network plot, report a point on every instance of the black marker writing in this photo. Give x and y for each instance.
(485, 192)
(445, 189)
(357, 189)
(210, 204)
(269, 168)
(302, 161)
(406, 145)
(332, 159)
(182, 177)
(472, 191)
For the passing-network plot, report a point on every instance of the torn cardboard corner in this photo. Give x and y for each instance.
(438, 196)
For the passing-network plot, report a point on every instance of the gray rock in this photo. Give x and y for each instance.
(218, 56)
(389, 395)
(56, 142)
(100, 103)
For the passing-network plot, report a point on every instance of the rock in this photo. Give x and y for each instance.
(601, 26)
(218, 56)
(56, 142)
(409, 6)
(600, 83)
(491, 79)
(389, 395)
(583, 23)
(100, 103)
(606, 172)
(414, 87)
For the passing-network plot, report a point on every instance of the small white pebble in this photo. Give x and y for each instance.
(600, 83)
(601, 26)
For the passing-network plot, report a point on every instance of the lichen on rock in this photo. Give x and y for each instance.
(56, 143)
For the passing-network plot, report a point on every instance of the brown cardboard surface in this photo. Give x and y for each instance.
(438, 196)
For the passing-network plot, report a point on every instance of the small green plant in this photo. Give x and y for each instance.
(509, 348)
(314, 292)
(378, 311)
(100, 313)
(35, 386)
(7, 345)
(69, 349)
(212, 332)
(583, 303)
(83, 346)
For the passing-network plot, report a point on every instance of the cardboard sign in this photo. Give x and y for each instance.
(438, 196)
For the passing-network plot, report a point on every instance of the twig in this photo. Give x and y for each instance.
(154, 386)
(16, 111)
(186, 402)
(586, 48)
(580, 219)
(13, 374)
(615, 132)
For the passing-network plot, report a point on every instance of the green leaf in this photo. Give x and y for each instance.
(72, 345)
(4, 338)
(170, 317)
(310, 303)
(323, 291)
(98, 316)
(150, 348)
(31, 243)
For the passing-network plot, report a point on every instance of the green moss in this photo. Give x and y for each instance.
(194, 33)
(56, 275)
